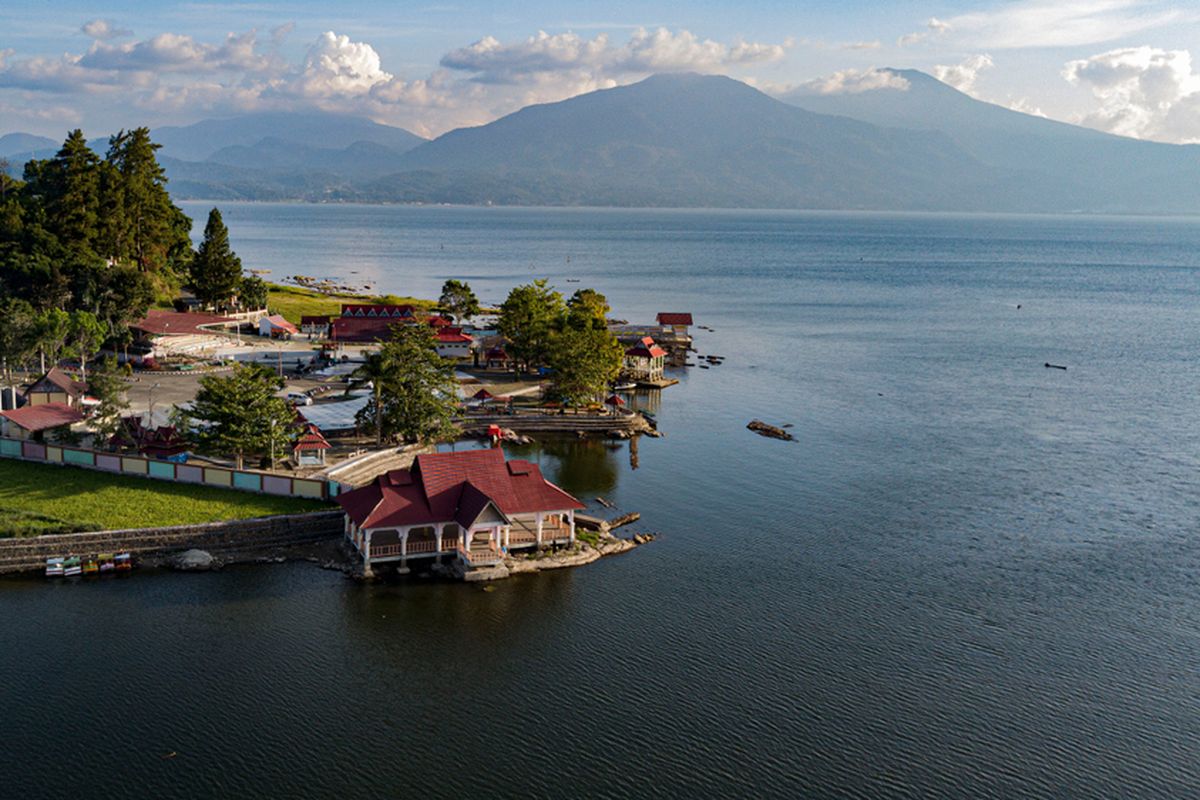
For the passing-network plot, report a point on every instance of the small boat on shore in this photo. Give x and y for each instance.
(91, 567)
(106, 563)
(122, 562)
(54, 567)
(71, 567)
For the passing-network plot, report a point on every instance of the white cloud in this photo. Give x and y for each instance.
(933, 27)
(336, 66)
(1144, 92)
(104, 29)
(874, 44)
(660, 50)
(962, 76)
(178, 53)
(1062, 23)
(854, 81)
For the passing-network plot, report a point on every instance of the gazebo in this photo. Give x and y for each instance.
(309, 450)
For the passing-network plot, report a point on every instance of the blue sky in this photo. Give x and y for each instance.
(1118, 65)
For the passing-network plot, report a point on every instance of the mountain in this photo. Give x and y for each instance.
(686, 140)
(1074, 168)
(23, 146)
(199, 141)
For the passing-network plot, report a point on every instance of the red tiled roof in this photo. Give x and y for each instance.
(278, 321)
(360, 329)
(449, 487)
(174, 323)
(311, 440)
(497, 354)
(646, 349)
(59, 380)
(439, 321)
(452, 335)
(674, 318)
(43, 417)
(307, 319)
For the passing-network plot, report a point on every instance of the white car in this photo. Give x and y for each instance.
(299, 399)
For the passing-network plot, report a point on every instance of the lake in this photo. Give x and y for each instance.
(971, 576)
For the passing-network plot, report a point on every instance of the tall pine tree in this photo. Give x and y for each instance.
(216, 269)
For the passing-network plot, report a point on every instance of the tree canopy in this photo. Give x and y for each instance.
(415, 393)
(458, 300)
(216, 271)
(529, 318)
(239, 414)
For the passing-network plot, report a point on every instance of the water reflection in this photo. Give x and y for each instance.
(580, 466)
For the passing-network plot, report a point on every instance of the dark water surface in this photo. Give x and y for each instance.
(971, 577)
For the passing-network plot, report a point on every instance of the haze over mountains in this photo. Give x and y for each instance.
(693, 140)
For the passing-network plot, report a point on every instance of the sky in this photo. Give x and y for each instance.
(1123, 66)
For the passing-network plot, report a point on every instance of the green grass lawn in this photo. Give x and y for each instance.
(294, 302)
(42, 498)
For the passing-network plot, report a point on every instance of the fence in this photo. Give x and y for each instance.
(224, 477)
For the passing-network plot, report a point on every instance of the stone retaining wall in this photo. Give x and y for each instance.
(30, 554)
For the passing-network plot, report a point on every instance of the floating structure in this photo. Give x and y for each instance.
(645, 361)
(473, 506)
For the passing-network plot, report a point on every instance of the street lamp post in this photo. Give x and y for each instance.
(150, 413)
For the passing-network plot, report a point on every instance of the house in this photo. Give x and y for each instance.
(56, 387)
(164, 333)
(164, 442)
(453, 343)
(310, 447)
(276, 327)
(645, 361)
(471, 505)
(314, 325)
(34, 421)
(677, 321)
(496, 357)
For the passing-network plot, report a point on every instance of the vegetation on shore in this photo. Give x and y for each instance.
(43, 498)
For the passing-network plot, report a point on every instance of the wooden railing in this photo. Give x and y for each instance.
(423, 546)
(384, 550)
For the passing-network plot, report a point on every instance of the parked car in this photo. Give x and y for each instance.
(299, 399)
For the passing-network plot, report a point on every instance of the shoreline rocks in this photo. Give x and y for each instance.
(193, 561)
(770, 431)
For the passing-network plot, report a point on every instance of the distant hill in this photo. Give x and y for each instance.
(318, 129)
(1073, 168)
(685, 140)
(20, 147)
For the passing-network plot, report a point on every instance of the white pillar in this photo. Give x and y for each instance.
(437, 536)
(571, 517)
(539, 529)
(366, 551)
(404, 551)
(507, 535)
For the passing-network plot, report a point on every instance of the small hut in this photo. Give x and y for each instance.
(310, 447)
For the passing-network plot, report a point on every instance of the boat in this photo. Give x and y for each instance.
(54, 567)
(106, 562)
(624, 387)
(123, 562)
(71, 567)
(91, 567)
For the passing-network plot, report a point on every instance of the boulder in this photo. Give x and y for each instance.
(193, 561)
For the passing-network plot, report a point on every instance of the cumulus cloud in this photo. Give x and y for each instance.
(855, 81)
(1063, 23)
(179, 53)
(962, 76)
(1144, 92)
(103, 29)
(874, 44)
(336, 66)
(660, 50)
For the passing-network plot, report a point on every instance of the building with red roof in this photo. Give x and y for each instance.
(679, 321)
(473, 505)
(58, 387)
(310, 447)
(645, 361)
(158, 322)
(314, 325)
(33, 421)
(276, 327)
(453, 343)
(376, 311)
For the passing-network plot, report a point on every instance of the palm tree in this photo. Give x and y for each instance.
(374, 371)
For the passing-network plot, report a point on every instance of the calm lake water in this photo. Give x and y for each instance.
(972, 576)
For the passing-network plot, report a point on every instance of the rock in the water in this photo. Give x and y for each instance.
(193, 561)
(770, 431)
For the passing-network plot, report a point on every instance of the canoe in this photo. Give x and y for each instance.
(90, 567)
(54, 567)
(71, 567)
(123, 562)
(106, 562)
